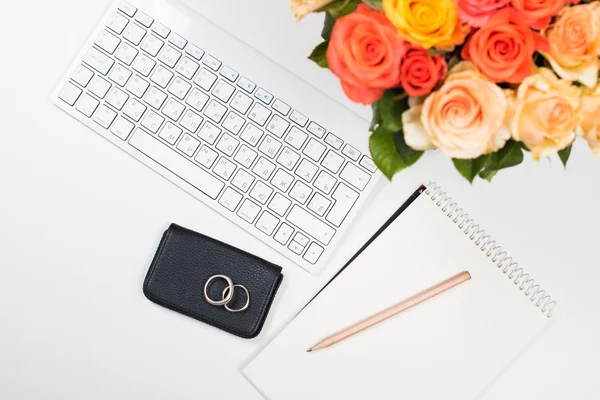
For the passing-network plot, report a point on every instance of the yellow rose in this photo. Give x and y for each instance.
(464, 118)
(574, 41)
(589, 109)
(301, 8)
(427, 23)
(544, 113)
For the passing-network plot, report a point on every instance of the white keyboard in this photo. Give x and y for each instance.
(224, 123)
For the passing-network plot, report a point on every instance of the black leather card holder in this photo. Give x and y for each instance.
(183, 263)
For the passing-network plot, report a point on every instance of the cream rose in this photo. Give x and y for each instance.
(464, 118)
(574, 41)
(301, 8)
(544, 116)
(589, 111)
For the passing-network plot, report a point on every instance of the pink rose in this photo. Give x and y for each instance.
(478, 12)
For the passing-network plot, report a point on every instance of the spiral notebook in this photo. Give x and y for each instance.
(450, 347)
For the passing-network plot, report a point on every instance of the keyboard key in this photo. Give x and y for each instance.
(170, 133)
(307, 170)
(270, 146)
(151, 45)
(205, 79)
(107, 41)
(211, 62)
(98, 60)
(233, 123)
(197, 100)
(70, 93)
(229, 74)
(187, 67)
(241, 102)
(134, 33)
(281, 107)
(228, 144)
(134, 109)
(144, 19)
(282, 180)
(126, 53)
(173, 109)
(295, 138)
(259, 114)
(99, 86)
(169, 56)
(177, 41)
(209, 132)
(334, 141)
(207, 156)
(120, 75)
(86, 104)
(161, 76)
(367, 163)
(117, 23)
(104, 116)
(355, 176)
(344, 200)
(245, 156)
(230, 199)
(137, 86)
(325, 182)
(179, 88)
(300, 192)
(191, 121)
(122, 128)
(301, 239)
(223, 91)
(191, 173)
(242, 180)
(279, 204)
(161, 30)
(251, 134)
(143, 65)
(155, 98)
(319, 204)
(351, 152)
(82, 75)
(215, 111)
(127, 9)
(248, 211)
(152, 121)
(316, 129)
(117, 98)
(288, 158)
(333, 162)
(194, 51)
(246, 84)
(313, 253)
(224, 168)
(310, 224)
(263, 96)
(284, 233)
(314, 150)
(296, 247)
(263, 168)
(277, 125)
(267, 223)
(188, 145)
(261, 192)
(298, 118)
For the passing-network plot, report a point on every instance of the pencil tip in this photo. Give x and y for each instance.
(309, 350)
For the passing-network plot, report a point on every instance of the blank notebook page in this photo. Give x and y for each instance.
(450, 347)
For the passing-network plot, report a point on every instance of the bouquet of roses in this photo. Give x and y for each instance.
(481, 80)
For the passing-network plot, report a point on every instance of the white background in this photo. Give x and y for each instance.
(80, 221)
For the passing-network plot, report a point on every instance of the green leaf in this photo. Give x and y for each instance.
(384, 154)
(374, 4)
(319, 55)
(327, 27)
(564, 154)
(471, 167)
(391, 109)
(376, 120)
(339, 8)
(409, 156)
(508, 156)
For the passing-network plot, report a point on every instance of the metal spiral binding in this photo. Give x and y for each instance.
(485, 243)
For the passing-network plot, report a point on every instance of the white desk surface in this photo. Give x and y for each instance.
(80, 221)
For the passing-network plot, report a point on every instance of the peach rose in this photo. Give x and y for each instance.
(477, 13)
(574, 43)
(589, 110)
(544, 113)
(464, 118)
(538, 13)
(301, 8)
(503, 49)
(365, 53)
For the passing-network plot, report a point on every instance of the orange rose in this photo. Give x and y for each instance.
(365, 53)
(589, 110)
(503, 49)
(575, 42)
(538, 13)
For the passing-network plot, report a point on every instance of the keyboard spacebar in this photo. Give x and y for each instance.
(311, 225)
(160, 153)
